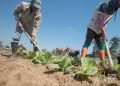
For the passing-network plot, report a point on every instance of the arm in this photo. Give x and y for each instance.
(18, 10)
(16, 13)
(36, 25)
(101, 25)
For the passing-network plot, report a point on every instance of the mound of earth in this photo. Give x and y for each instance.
(22, 72)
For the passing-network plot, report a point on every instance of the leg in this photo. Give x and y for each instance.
(35, 48)
(101, 46)
(89, 37)
(16, 38)
(17, 34)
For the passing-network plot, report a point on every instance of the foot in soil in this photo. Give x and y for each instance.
(13, 55)
(118, 76)
(110, 71)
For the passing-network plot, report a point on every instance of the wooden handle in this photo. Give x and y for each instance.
(33, 41)
(109, 55)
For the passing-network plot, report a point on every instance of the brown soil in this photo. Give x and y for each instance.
(22, 72)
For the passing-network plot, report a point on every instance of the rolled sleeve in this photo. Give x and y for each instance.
(19, 9)
(36, 25)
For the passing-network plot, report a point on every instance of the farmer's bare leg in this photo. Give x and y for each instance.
(89, 37)
(101, 46)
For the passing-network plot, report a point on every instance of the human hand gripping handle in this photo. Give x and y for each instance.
(20, 25)
(32, 38)
(103, 33)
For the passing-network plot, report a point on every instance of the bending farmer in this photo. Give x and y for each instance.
(96, 28)
(28, 16)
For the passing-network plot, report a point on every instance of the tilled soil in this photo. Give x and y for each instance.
(22, 72)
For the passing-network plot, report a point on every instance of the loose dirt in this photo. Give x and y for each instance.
(22, 72)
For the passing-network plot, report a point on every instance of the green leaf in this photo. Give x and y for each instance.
(36, 60)
(31, 55)
(69, 69)
(38, 54)
(66, 62)
(47, 56)
(76, 61)
(92, 71)
(26, 53)
(84, 62)
(53, 66)
(88, 67)
(80, 73)
(117, 66)
(92, 61)
(43, 60)
(56, 59)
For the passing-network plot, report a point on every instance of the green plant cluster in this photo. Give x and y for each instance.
(81, 67)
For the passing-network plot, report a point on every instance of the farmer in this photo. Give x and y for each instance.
(28, 19)
(96, 28)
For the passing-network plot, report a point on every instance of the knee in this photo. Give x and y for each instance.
(101, 46)
(86, 44)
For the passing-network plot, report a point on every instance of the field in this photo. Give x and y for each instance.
(20, 71)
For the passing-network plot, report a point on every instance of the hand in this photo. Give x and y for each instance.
(32, 39)
(19, 24)
(103, 37)
(103, 33)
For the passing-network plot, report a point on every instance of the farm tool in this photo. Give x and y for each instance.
(106, 45)
(111, 69)
(108, 54)
(33, 41)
